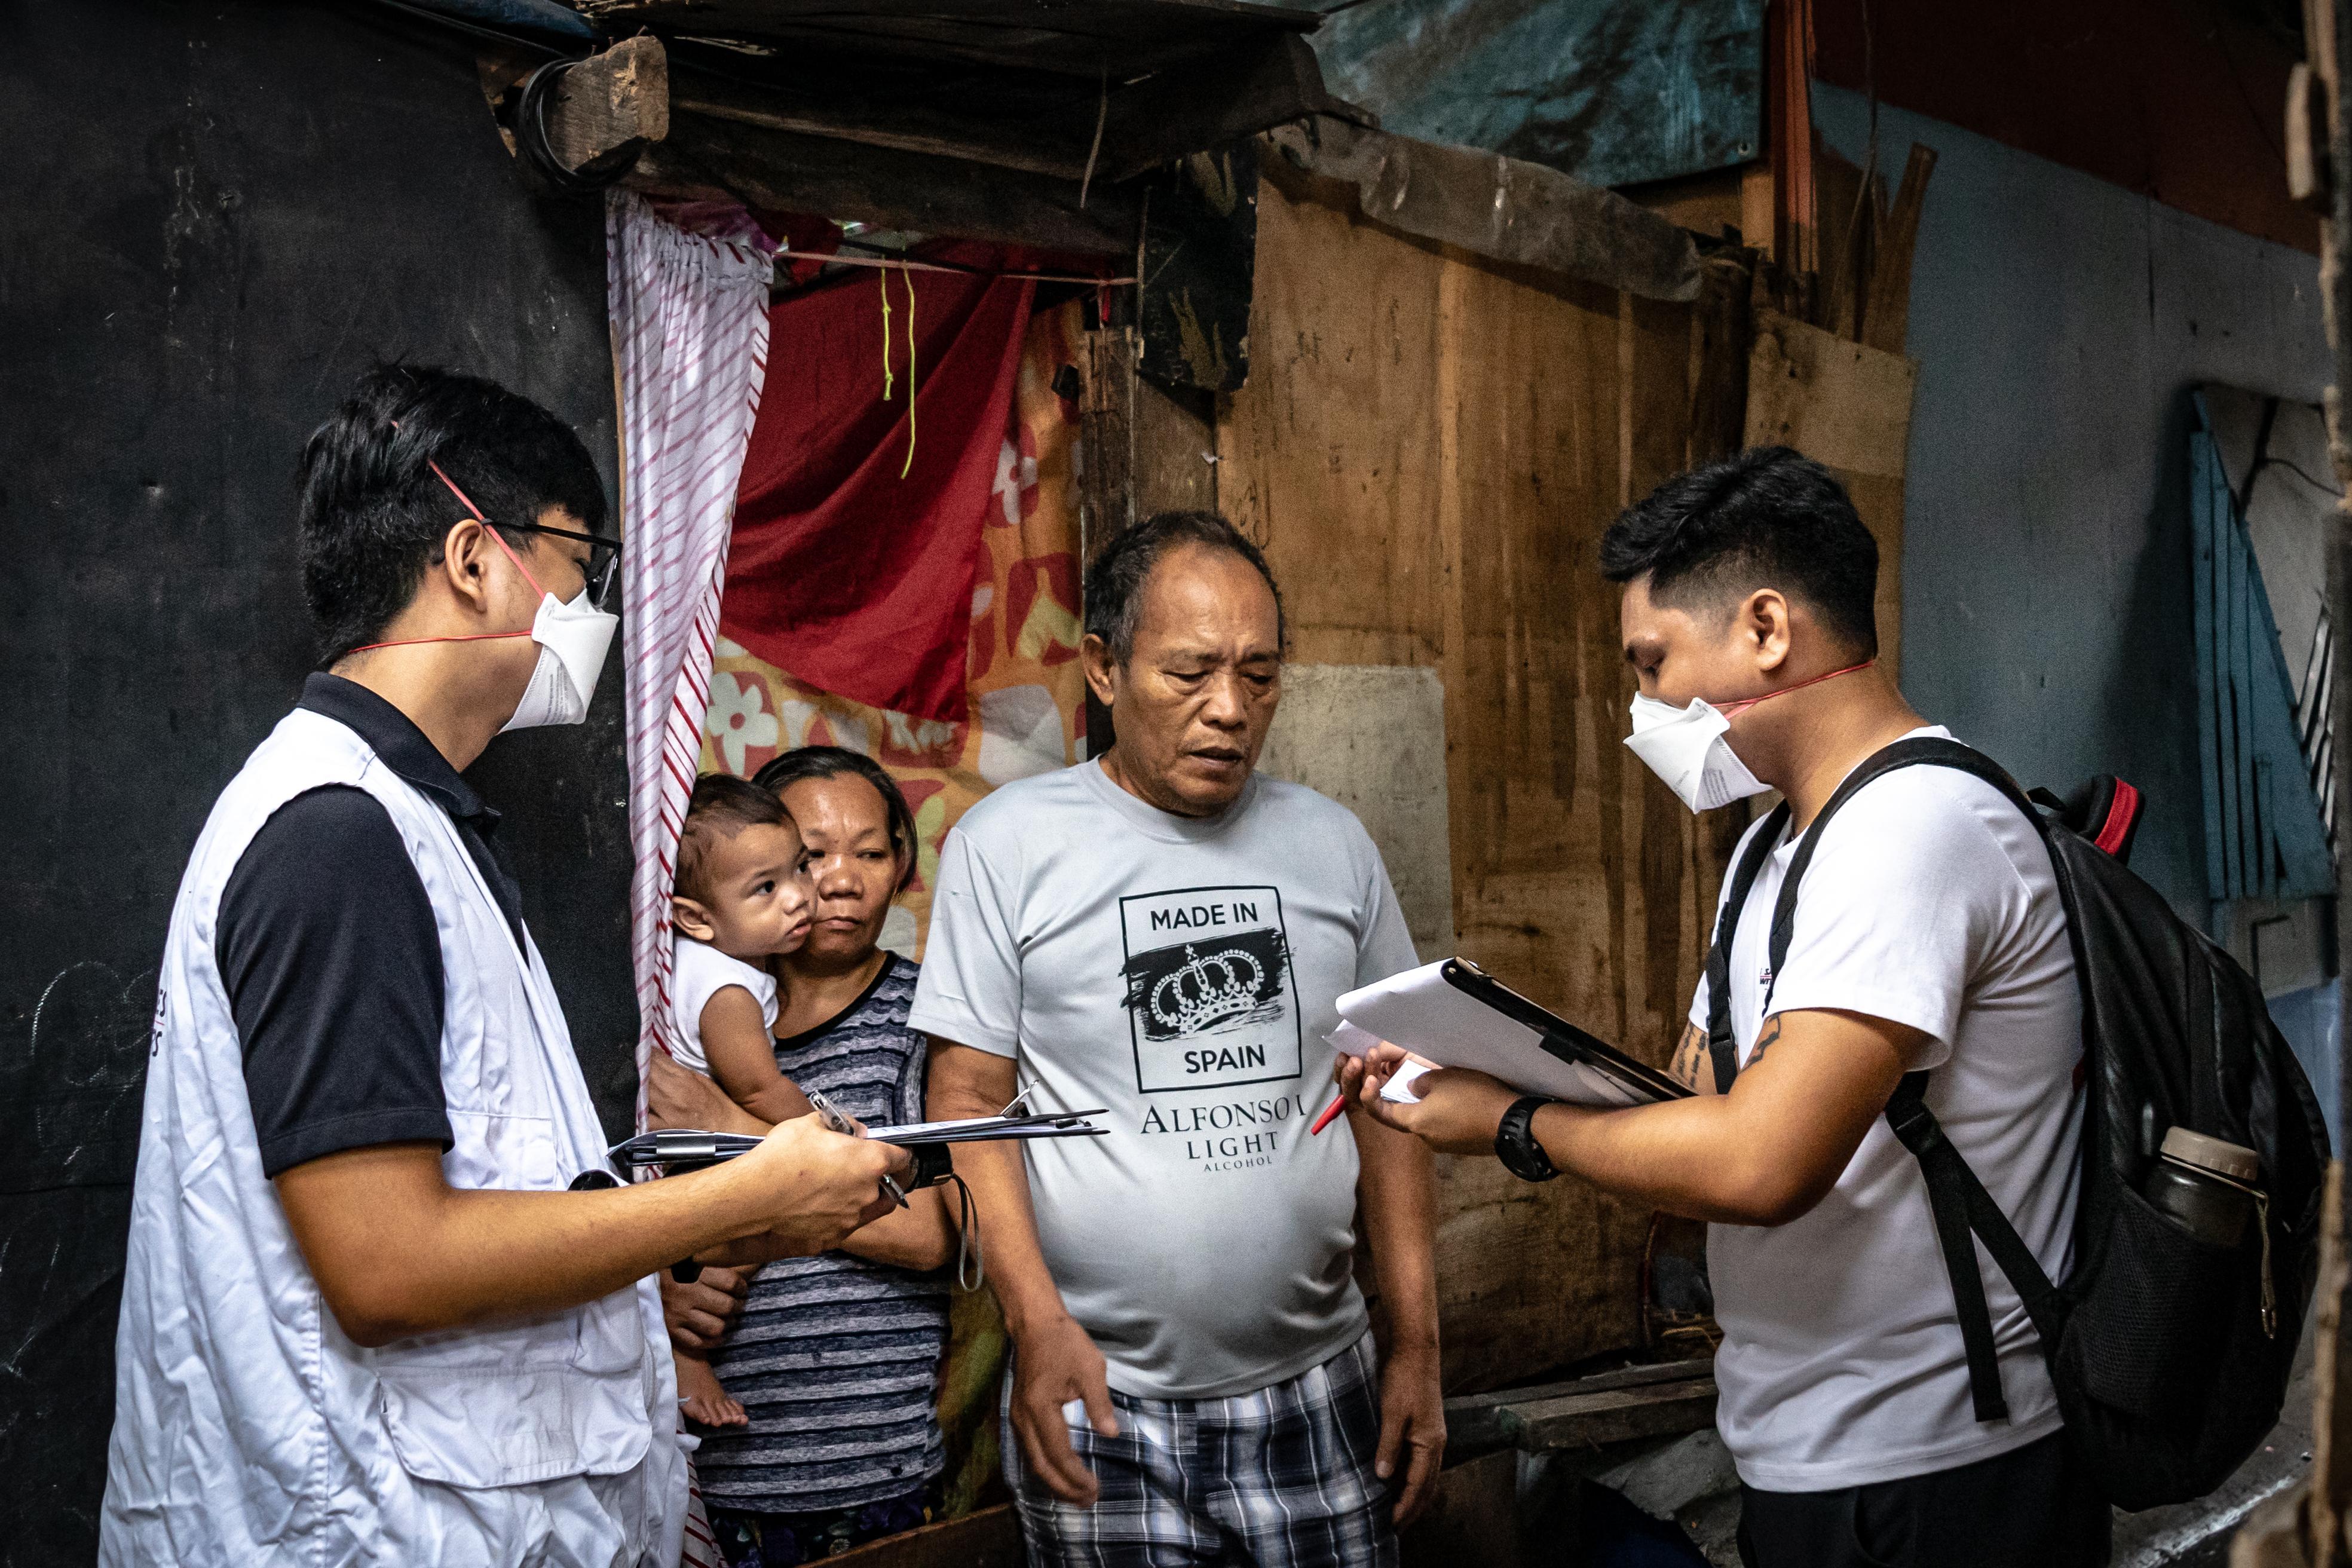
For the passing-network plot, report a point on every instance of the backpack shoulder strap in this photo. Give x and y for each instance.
(1956, 1198)
(1960, 1206)
(1930, 750)
(1721, 1049)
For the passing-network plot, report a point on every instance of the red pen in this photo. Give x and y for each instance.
(1414, 1064)
(1351, 1041)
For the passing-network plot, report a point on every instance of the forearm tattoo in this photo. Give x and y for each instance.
(1690, 1057)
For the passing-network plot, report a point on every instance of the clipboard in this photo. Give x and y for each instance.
(692, 1146)
(1454, 1014)
(1560, 1037)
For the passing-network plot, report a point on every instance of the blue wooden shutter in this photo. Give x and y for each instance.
(2264, 836)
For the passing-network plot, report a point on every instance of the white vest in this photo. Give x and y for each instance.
(247, 1429)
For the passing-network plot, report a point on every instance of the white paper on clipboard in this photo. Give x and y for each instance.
(1421, 1011)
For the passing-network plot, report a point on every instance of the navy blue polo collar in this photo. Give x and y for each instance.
(395, 737)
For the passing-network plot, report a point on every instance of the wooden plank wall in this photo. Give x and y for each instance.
(1429, 448)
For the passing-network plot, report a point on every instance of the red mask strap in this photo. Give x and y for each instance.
(1731, 708)
(468, 502)
(488, 527)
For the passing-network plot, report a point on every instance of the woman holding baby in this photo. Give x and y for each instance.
(826, 1435)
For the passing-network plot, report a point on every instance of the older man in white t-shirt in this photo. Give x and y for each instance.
(1165, 932)
(1929, 937)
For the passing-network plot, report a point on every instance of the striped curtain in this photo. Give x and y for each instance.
(689, 320)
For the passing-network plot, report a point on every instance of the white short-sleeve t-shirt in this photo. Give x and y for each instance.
(701, 971)
(1182, 973)
(1930, 902)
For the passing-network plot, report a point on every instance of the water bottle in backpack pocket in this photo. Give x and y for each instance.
(2163, 1302)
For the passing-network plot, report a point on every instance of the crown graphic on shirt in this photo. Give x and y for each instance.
(1206, 989)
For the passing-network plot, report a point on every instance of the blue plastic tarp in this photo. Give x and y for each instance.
(1613, 91)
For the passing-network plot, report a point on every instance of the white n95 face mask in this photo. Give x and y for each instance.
(1689, 749)
(572, 641)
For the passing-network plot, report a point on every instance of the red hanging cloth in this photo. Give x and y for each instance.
(854, 579)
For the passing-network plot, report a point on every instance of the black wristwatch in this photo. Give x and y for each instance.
(1515, 1145)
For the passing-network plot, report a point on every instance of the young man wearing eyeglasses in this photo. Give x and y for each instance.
(385, 1301)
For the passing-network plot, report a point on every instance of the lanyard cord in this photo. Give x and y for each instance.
(968, 1239)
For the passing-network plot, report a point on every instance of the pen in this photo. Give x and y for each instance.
(1412, 1066)
(835, 1122)
(1338, 1103)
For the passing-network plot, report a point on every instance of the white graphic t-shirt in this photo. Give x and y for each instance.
(1181, 972)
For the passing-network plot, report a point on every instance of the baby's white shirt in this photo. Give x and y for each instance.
(701, 971)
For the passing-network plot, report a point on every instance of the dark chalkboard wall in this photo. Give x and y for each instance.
(212, 218)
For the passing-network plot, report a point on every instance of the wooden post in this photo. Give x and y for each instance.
(1723, 330)
(1142, 448)
(597, 106)
(1787, 66)
(2317, 173)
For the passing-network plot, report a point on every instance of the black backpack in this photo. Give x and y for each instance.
(2170, 1355)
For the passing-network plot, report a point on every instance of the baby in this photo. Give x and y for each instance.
(742, 895)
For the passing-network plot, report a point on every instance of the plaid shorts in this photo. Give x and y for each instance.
(1279, 1478)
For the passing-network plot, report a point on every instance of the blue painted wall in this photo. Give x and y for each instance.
(2060, 323)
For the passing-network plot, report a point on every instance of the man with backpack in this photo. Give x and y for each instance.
(1931, 940)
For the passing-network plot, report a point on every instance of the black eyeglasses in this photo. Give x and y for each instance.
(603, 569)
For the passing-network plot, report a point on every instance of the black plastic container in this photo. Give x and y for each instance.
(2205, 1183)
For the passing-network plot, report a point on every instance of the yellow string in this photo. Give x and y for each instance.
(909, 277)
(885, 336)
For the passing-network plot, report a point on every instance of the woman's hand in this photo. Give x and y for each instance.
(698, 1315)
(1456, 1111)
(678, 1096)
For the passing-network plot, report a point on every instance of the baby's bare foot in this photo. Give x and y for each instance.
(702, 1398)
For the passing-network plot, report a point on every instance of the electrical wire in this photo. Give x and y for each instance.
(2298, 472)
(1102, 114)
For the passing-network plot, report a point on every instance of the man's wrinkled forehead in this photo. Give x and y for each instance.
(1211, 598)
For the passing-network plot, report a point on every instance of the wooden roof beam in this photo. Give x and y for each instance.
(1237, 92)
(1507, 209)
(791, 171)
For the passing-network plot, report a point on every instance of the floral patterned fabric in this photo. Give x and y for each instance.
(1027, 696)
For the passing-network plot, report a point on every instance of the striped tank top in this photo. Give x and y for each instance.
(837, 1359)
